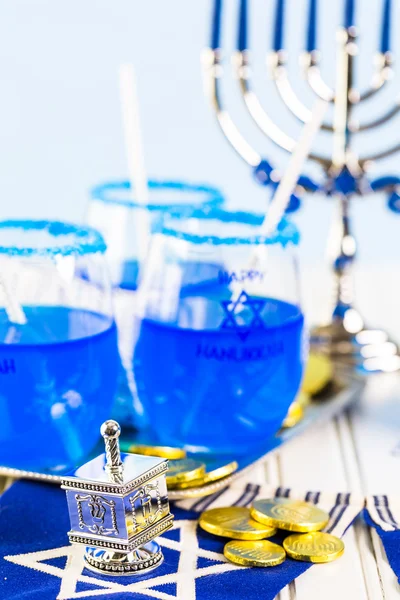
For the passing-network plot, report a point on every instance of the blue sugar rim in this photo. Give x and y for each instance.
(215, 198)
(86, 239)
(285, 233)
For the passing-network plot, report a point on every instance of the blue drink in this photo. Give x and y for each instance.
(216, 380)
(57, 383)
(128, 408)
(113, 209)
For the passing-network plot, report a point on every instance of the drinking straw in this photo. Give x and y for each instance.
(289, 180)
(139, 222)
(287, 184)
(14, 310)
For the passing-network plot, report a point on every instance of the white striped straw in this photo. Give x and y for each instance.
(14, 310)
(287, 184)
(289, 180)
(140, 221)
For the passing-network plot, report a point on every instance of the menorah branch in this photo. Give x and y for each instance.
(212, 73)
(392, 112)
(381, 76)
(287, 93)
(256, 111)
(378, 155)
(310, 62)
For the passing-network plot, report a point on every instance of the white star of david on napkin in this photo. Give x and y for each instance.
(184, 578)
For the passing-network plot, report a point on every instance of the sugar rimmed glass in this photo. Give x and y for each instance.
(114, 211)
(220, 348)
(58, 343)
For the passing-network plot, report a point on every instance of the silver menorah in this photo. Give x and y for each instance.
(344, 173)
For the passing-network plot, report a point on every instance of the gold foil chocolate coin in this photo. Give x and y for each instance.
(295, 415)
(296, 410)
(209, 477)
(254, 554)
(316, 547)
(159, 451)
(234, 522)
(318, 373)
(184, 470)
(303, 399)
(291, 515)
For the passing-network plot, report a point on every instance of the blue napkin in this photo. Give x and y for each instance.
(37, 562)
(383, 513)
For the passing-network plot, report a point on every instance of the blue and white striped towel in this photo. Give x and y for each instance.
(383, 513)
(36, 560)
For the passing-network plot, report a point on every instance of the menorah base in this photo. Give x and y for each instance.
(139, 561)
(368, 350)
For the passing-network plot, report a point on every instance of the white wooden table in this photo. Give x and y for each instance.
(357, 452)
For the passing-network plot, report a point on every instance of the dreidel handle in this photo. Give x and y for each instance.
(110, 430)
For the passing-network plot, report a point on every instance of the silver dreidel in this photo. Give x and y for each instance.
(118, 505)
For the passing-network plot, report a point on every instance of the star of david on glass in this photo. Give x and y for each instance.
(232, 319)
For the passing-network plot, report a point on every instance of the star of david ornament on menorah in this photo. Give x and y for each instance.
(343, 172)
(118, 505)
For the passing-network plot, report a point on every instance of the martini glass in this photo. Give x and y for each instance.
(218, 363)
(113, 210)
(58, 344)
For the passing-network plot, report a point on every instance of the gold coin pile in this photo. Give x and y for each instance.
(289, 515)
(183, 473)
(206, 477)
(318, 373)
(254, 554)
(249, 528)
(184, 470)
(315, 547)
(159, 451)
(234, 522)
(189, 473)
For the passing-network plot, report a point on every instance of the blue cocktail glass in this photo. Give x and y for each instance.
(113, 211)
(58, 344)
(112, 206)
(217, 364)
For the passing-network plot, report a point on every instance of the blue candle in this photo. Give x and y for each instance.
(386, 23)
(311, 43)
(349, 13)
(216, 25)
(242, 31)
(279, 18)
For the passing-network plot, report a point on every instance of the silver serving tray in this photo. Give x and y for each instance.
(340, 395)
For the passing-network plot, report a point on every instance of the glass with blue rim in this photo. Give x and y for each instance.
(113, 210)
(220, 351)
(58, 344)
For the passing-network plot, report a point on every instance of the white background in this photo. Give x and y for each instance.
(60, 121)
